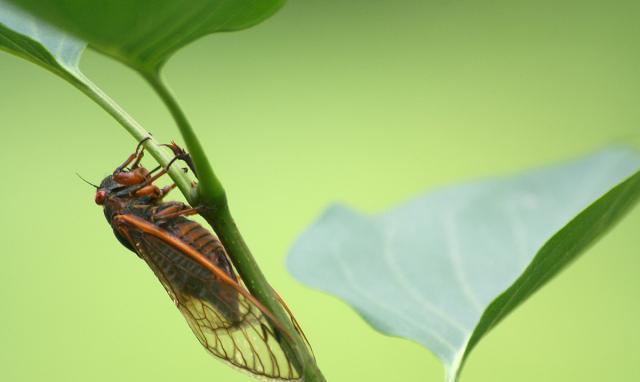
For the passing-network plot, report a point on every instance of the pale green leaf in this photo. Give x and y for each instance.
(445, 268)
(145, 34)
(25, 36)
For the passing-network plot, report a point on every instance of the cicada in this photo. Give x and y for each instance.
(194, 268)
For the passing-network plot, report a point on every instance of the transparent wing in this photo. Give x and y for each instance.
(227, 323)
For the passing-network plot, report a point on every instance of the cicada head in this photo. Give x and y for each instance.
(107, 196)
(107, 187)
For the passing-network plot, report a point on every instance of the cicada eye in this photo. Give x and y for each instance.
(100, 196)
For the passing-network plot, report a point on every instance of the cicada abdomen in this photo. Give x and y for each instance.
(185, 275)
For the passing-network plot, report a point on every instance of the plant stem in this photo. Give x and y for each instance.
(137, 131)
(210, 190)
(216, 212)
(225, 227)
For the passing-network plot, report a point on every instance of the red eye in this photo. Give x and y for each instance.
(100, 196)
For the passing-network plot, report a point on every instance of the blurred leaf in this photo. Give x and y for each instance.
(23, 35)
(445, 268)
(145, 34)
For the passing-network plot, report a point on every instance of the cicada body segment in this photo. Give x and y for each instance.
(183, 274)
(225, 318)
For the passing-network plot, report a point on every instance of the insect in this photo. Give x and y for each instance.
(194, 268)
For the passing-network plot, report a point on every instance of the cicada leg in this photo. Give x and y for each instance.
(184, 156)
(148, 190)
(175, 211)
(136, 155)
(136, 164)
(152, 190)
(166, 189)
(146, 187)
(160, 173)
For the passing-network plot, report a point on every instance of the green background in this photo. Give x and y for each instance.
(364, 102)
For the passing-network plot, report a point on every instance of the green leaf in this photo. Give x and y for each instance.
(25, 36)
(145, 34)
(445, 268)
(21, 34)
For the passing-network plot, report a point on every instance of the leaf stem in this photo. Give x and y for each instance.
(210, 190)
(136, 130)
(212, 197)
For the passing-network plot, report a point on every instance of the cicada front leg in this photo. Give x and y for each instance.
(166, 189)
(137, 156)
(184, 156)
(141, 181)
